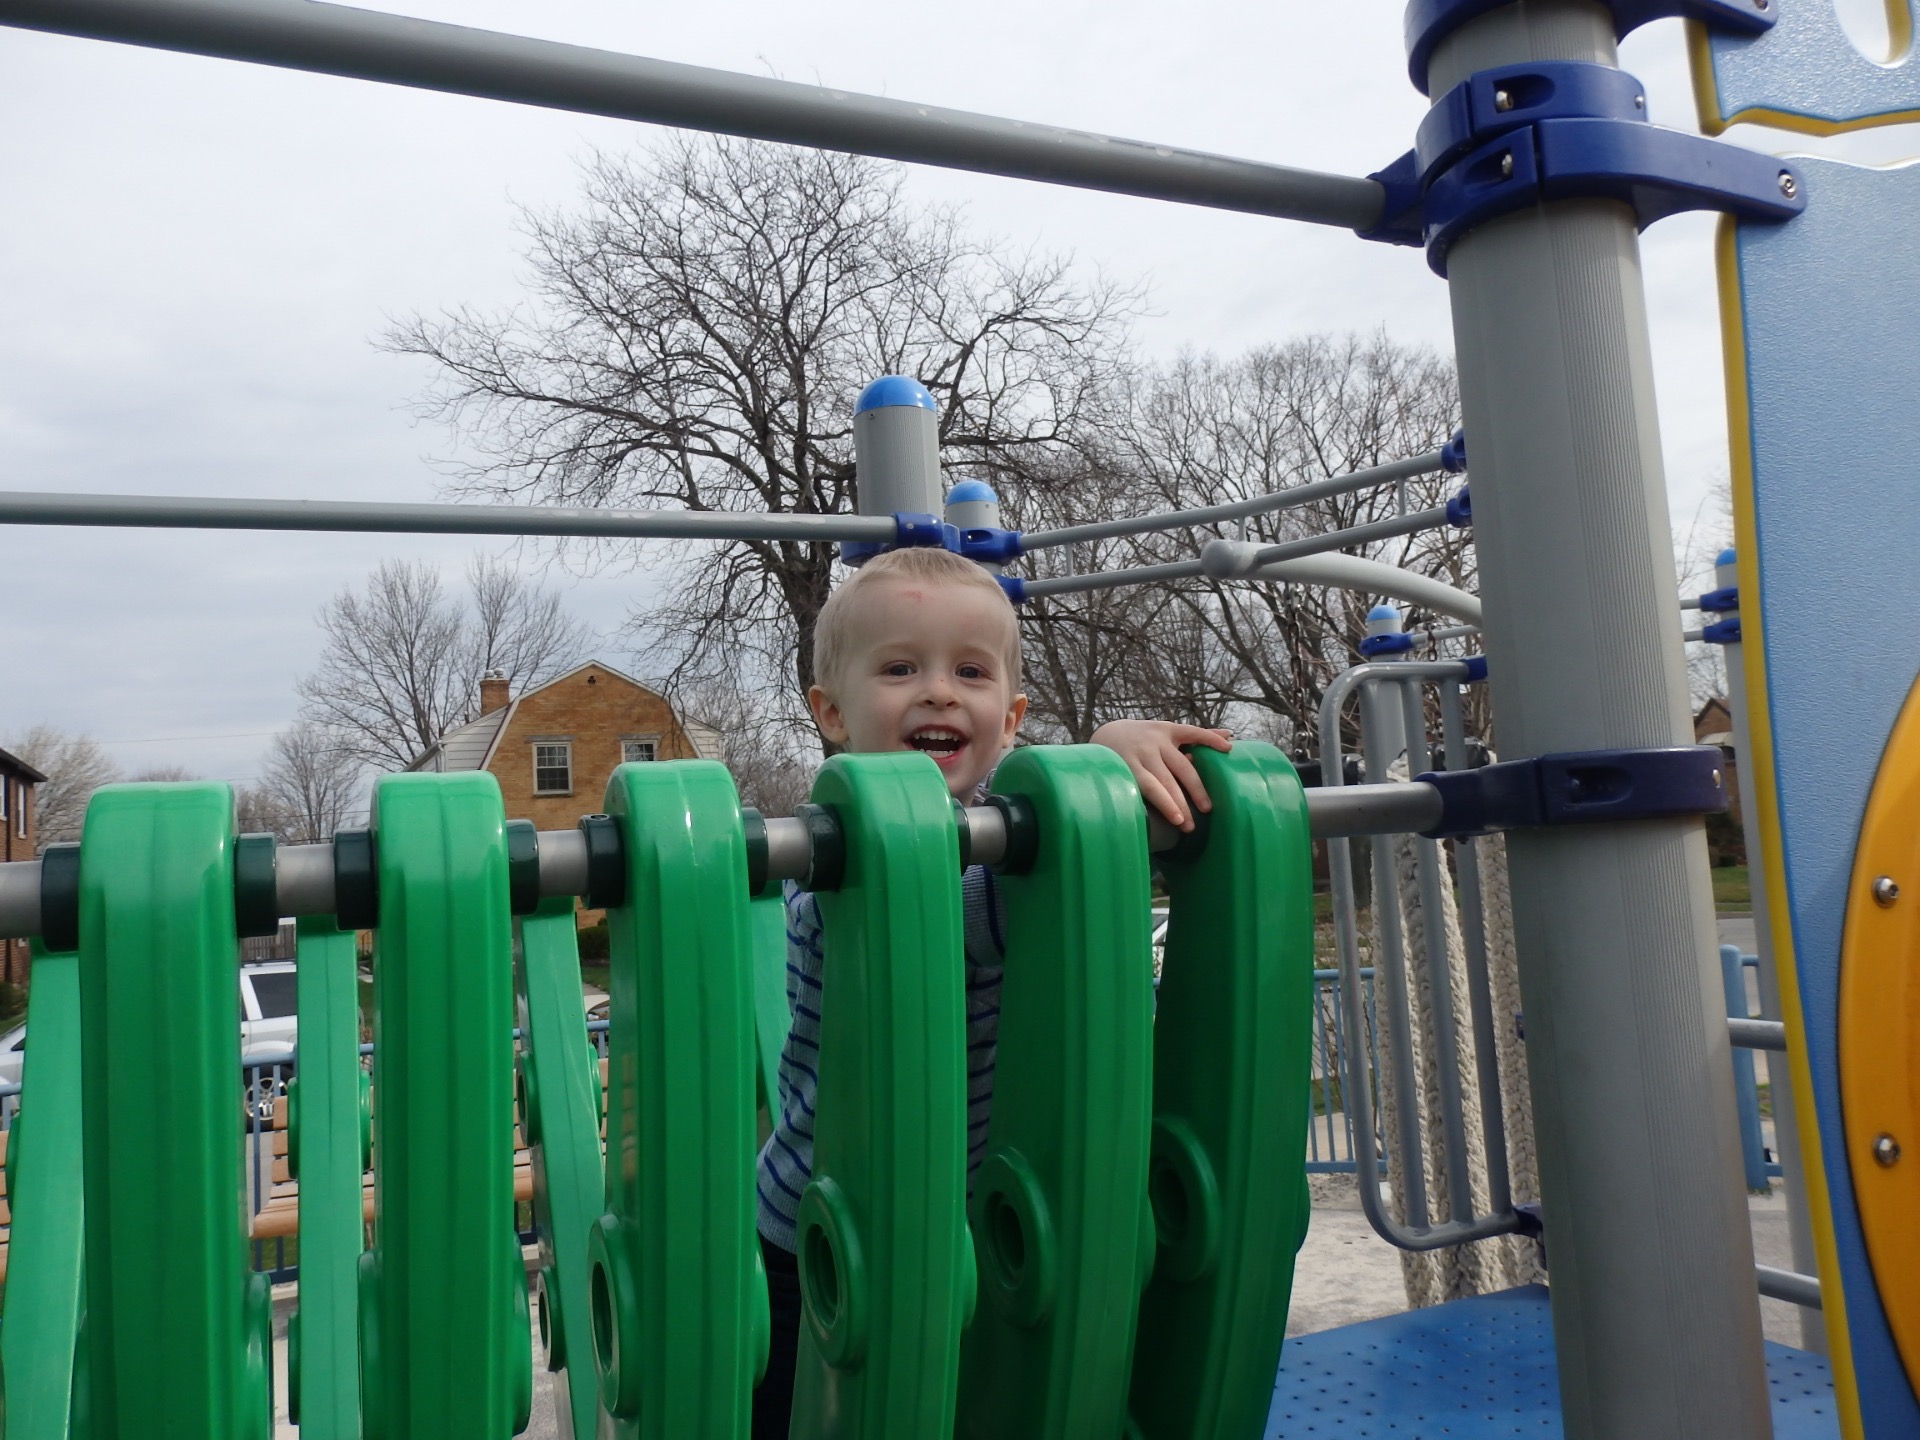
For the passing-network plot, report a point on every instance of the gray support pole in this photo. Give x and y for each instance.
(1656, 1321)
(896, 447)
(1786, 1123)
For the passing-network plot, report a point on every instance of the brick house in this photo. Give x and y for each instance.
(553, 748)
(17, 779)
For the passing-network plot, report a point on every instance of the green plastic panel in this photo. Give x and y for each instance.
(768, 917)
(176, 1329)
(1230, 1101)
(44, 1270)
(679, 1298)
(885, 1266)
(1059, 1200)
(446, 1353)
(324, 1105)
(560, 1099)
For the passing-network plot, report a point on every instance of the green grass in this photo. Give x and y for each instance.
(1730, 888)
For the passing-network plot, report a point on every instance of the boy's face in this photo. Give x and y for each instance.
(926, 670)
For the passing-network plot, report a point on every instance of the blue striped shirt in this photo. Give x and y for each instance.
(786, 1161)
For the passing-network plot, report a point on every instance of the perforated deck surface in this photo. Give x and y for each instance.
(1472, 1370)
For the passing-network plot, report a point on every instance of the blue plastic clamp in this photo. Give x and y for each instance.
(1453, 454)
(1494, 102)
(910, 531)
(1476, 669)
(1657, 172)
(1397, 643)
(1015, 587)
(1400, 221)
(1460, 508)
(1584, 788)
(1722, 632)
(1720, 601)
(990, 547)
(1428, 22)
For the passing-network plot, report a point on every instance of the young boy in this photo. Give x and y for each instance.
(919, 650)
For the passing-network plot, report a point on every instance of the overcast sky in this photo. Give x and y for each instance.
(198, 257)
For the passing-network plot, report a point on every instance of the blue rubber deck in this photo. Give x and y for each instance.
(1474, 1369)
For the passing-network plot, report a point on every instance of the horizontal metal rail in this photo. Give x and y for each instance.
(1757, 1034)
(304, 874)
(428, 55)
(1788, 1285)
(1410, 524)
(1287, 499)
(194, 512)
(1113, 579)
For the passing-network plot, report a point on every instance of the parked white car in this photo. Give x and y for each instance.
(268, 1025)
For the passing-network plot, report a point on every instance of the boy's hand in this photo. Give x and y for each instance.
(1151, 749)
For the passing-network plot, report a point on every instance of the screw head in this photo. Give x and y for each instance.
(1886, 1152)
(1639, 102)
(1762, 4)
(1789, 186)
(1506, 166)
(1502, 100)
(1886, 890)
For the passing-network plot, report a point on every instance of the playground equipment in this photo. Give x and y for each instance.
(1527, 185)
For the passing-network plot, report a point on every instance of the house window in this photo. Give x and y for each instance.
(635, 750)
(6, 788)
(20, 811)
(553, 769)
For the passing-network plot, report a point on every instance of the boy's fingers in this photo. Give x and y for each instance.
(1189, 778)
(1157, 787)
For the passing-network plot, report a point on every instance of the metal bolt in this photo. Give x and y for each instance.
(1502, 100)
(1886, 1152)
(1886, 890)
(1789, 186)
(1506, 166)
(1639, 102)
(1762, 4)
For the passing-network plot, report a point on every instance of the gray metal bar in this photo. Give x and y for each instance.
(1757, 1034)
(1113, 579)
(1236, 509)
(395, 49)
(1777, 1284)
(1655, 1319)
(304, 873)
(1446, 1038)
(1412, 524)
(184, 512)
(1473, 929)
(1233, 560)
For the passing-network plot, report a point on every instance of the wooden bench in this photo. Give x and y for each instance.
(279, 1214)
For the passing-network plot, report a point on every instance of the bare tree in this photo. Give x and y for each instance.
(772, 758)
(311, 786)
(75, 767)
(699, 332)
(1694, 552)
(402, 661)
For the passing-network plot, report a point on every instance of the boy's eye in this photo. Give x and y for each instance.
(898, 667)
(973, 672)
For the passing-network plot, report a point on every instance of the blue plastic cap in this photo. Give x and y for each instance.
(894, 390)
(967, 492)
(1725, 557)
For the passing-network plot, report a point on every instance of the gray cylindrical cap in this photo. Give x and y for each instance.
(896, 447)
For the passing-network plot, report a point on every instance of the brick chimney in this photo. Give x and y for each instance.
(493, 692)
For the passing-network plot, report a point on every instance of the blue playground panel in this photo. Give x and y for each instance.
(1474, 1369)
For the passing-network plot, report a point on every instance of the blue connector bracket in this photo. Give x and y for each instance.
(1460, 508)
(1453, 454)
(1720, 601)
(910, 531)
(1516, 135)
(990, 547)
(1656, 172)
(1428, 22)
(1015, 587)
(1397, 642)
(1586, 788)
(1722, 632)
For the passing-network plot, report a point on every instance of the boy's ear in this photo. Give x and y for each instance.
(1016, 714)
(826, 714)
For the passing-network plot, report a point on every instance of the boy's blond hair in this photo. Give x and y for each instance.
(936, 567)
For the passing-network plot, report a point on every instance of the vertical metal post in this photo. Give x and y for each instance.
(1786, 1121)
(896, 447)
(1656, 1321)
(1753, 1155)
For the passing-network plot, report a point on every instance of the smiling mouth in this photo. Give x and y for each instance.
(937, 741)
